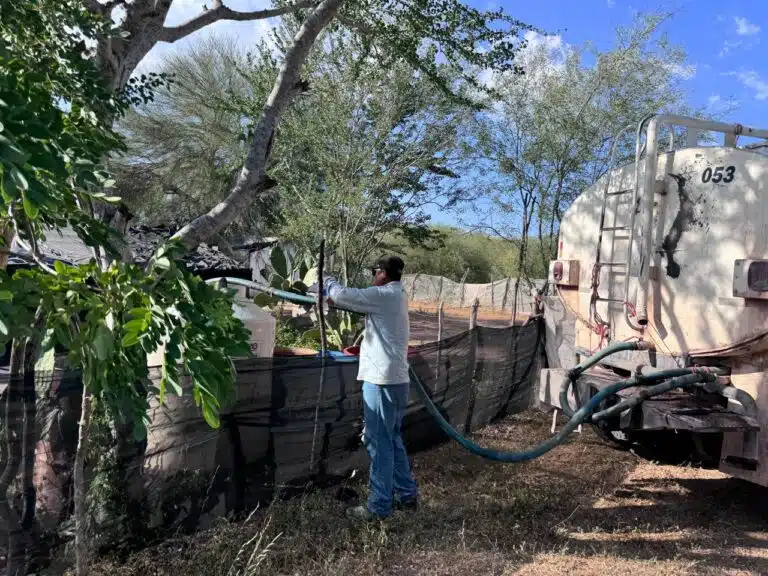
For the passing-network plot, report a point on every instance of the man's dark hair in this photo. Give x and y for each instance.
(393, 266)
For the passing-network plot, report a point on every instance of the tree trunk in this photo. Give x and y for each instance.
(14, 415)
(82, 550)
(253, 179)
(345, 264)
(7, 234)
(29, 439)
(522, 254)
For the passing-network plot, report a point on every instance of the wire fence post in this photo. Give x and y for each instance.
(323, 348)
(472, 366)
(504, 298)
(463, 282)
(440, 313)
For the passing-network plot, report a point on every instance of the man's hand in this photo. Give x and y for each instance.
(327, 283)
(326, 286)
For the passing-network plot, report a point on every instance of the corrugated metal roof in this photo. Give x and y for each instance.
(65, 245)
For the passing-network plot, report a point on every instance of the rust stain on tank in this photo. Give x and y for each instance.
(683, 218)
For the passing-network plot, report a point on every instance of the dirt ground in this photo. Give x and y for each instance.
(424, 324)
(483, 313)
(582, 509)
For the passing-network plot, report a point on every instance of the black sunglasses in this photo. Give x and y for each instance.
(374, 271)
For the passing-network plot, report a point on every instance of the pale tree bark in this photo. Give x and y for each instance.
(253, 180)
(82, 549)
(143, 25)
(221, 12)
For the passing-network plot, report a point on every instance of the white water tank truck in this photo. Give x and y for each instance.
(662, 265)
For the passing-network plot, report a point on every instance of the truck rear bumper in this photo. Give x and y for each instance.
(676, 410)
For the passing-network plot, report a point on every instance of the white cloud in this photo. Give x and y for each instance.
(610, 3)
(753, 80)
(541, 55)
(685, 72)
(550, 46)
(549, 41)
(714, 99)
(487, 78)
(728, 46)
(744, 27)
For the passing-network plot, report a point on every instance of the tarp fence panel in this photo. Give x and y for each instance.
(284, 428)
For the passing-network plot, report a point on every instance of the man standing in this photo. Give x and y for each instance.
(384, 372)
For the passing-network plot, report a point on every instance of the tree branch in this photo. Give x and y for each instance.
(253, 179)
(221, 12)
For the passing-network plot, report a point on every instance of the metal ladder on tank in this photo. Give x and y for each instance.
(595, 297)
(622, 266)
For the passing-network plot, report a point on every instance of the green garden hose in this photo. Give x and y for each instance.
(581, 416)
(583, 366)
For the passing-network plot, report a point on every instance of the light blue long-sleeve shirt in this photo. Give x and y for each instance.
(384, 350)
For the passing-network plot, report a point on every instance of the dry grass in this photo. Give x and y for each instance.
(582, 509)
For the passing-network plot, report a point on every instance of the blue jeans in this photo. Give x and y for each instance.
(384, 407)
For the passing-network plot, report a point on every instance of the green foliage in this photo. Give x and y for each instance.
(55, 126)
(279, 276)
(343, 329)
(186, 146)
(288, 335)
(417, 32)
(362, 153)
(115, 523)
(48, 156)
(483, 257)
(110, 320)
(550, 133)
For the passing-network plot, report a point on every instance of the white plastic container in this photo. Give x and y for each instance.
(262, 326)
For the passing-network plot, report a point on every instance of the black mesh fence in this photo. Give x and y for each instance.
(294, 420)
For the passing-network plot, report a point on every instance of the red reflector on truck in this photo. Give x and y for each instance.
(557, 271)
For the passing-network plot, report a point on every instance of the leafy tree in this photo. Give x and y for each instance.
(364, 153)
(391, 31)
(55, 119)
(455, 252)
(357, 157)
(185, 147)
(55, 126)
(549, 137)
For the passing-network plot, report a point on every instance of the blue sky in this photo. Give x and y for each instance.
(723, 41)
